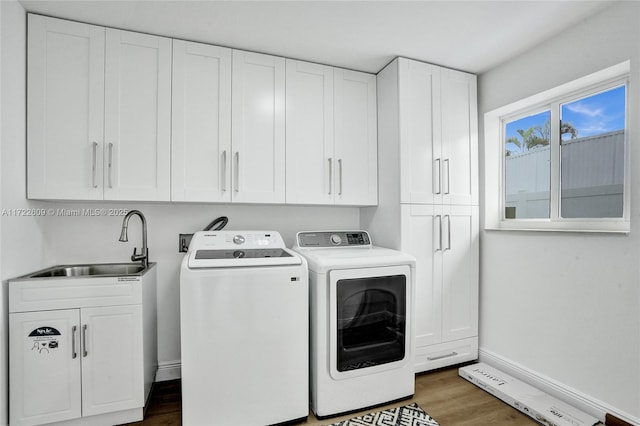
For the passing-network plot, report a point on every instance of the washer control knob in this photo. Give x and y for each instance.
(335, 239)
(238, 239)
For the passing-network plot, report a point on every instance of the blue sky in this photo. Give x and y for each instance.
(599, 113)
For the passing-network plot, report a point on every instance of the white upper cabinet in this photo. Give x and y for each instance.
(119, 115)
(65, 104)
(258, 128)
(331, 135)
(419, 99)
(99, 109)
(201, 123)
(137, 117)
(458, 112)
(356, 148)
(437, 134)
(310, 153)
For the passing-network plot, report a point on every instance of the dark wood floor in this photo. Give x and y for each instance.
(448, 398)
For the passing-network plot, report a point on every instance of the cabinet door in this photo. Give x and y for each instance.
(459, 138)
(65, 109)
(459, 272)
(356, 142)
(201, 123)
(309, 136)
(422, 238)
(112, 364)
(258, 128)
(420, 151)
(137, 117)
(44, 371)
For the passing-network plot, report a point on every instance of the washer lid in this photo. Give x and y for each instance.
(242, 258)
(235, 249)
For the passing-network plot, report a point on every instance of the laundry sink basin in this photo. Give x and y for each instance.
(90, 270)
(81, 286)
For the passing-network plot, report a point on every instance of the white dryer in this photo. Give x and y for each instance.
(361, 321)
(244, 330)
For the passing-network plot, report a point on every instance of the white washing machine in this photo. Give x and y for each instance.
(361, 321)
(244, 330)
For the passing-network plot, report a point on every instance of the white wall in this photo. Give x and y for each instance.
(22, 244)
(566, 306)
(29, 243)
(3, 311)
(92, 239)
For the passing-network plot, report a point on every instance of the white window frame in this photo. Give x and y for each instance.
(494, 122)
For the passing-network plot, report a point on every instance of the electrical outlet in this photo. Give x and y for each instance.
(183, 242)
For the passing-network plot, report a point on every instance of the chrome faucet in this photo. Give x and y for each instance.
(144, 255)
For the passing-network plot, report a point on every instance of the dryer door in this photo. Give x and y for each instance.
(369, 320)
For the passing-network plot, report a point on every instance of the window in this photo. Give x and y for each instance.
(592, 134)
(527, 167)
(562, 158)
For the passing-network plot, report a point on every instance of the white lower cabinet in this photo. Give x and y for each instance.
(75, 362)
(111, 358)
(446, 296)
(81, 350)
(46, 381)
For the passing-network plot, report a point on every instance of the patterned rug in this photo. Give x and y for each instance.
(408, 415)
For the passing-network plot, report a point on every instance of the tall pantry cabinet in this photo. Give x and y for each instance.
(428, 201)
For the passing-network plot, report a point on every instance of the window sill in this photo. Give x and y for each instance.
(600, 227)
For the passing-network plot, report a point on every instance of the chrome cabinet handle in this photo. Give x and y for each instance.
(436, 177)
(224, 171)
(340, 175)
(74, 353)
(237, 183)
(439, 227)
(448, 232)
(330, 175)
(435, 358)
(93, 165)
(448, 177)
(110, 163)
(84, 341)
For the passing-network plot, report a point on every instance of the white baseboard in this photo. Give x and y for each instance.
(169, 370)
(565, 393)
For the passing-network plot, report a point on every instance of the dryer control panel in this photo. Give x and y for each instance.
(334, 239)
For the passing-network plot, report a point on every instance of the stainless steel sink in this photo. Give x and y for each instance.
(82, 286)
(90, 270)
